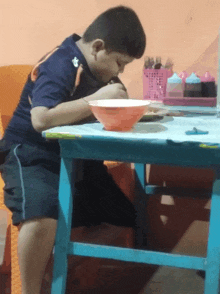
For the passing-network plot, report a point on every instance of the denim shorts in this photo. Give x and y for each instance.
(31, 177)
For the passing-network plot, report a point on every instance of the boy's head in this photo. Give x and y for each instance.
(114, 39)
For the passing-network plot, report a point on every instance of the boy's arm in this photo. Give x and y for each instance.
(63, 114)
(71, 112)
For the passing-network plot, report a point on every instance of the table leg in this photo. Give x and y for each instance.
(63, 229)
(213, 250)
(140, 203)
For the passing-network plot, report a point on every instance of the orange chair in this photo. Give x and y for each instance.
(5, 241)
(12, 79)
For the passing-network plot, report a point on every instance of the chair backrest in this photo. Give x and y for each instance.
(12, 80)
(1, 126)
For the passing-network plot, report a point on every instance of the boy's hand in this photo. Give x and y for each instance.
(113, 91)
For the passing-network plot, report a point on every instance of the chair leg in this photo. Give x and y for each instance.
(212, 285)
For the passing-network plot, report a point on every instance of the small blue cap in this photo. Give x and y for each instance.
(175, 79)
(193, 79)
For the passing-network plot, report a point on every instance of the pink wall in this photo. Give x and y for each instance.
(185, 32)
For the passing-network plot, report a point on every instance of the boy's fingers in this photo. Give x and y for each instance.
(118, 84)
(123, 87)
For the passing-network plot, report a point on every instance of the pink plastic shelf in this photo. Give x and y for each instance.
(190, 101)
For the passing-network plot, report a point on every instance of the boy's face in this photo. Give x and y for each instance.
(106, 65)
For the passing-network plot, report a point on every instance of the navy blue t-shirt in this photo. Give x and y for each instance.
(54, 84)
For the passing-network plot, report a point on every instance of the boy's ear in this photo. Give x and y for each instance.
(97, 45)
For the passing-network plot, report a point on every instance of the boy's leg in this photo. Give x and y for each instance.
(35, 244)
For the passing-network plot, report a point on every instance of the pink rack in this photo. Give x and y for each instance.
(190, 101)
(155, 83)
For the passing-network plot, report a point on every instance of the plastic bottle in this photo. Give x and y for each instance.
(193, 86)
(208, 85)
(174, 86)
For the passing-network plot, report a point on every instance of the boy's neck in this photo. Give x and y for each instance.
(84, 48)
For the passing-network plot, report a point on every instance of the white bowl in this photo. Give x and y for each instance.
(119, 103)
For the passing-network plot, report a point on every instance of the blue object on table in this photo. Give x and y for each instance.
(154, 143)
(196, 131)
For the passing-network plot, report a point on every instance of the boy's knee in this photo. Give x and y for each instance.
(19, 227)
(42, 225)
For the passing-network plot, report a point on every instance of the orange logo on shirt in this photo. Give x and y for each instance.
(34, 72)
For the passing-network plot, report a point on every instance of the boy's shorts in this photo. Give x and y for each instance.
(31, 177)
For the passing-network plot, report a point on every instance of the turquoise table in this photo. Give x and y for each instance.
(159, 142)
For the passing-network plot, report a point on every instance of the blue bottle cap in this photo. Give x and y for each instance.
(175, 79)
(193, 79)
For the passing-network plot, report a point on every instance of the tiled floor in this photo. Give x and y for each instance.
(174, 281)
(127, 278)
(144, 280)
(108, 277)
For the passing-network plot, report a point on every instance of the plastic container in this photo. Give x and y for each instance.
(193, 86)
(174, 86)
(208, 85)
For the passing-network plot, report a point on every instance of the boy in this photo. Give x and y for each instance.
(56, 93)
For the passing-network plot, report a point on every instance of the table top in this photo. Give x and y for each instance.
(168, 128)
(157, 142)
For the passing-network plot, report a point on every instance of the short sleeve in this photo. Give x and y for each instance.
(55, 81)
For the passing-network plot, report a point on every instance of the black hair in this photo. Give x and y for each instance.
(120, 29)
